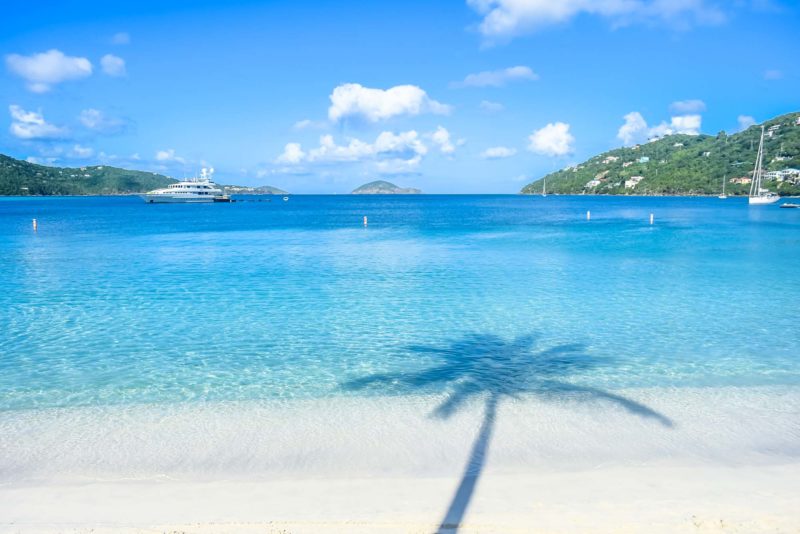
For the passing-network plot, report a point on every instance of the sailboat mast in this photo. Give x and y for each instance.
(755, 185)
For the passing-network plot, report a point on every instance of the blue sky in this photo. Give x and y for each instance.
(451, 96)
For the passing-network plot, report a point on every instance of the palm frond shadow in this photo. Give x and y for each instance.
(489, 367)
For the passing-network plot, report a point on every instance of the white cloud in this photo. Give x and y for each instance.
(121, 38)
(31, 125)
(308, 124)
(684, 107)
(391, 152)
(497, 78)
(168, 155)
(635, 129)
(686, 124)
(498, 152)
(96, 120)
(503, 19)
(773, 74)
(442, 138)
(552, 140)
(491, 107)
(292, 153)
(355, 100)
(46, 69)
(81, 152)
(113, 65)
(745, 122)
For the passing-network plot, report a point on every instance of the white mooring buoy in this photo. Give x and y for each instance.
(365, 220)
(35, 225)
(651, 218)
(588, 215)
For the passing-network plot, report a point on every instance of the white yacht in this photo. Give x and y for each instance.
(187, 191)
(759, 195)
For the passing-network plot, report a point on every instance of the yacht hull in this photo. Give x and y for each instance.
(175, 199)
(760, 201)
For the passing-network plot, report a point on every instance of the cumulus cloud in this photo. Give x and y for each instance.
(97, 121)
(442, 138)
(635, 129)
(685, 107)
(552, 140)
(745, 122)
(503, 19)
(168, 156)
(121, 38)
(355, 100)
(497, 78)
(42, 71)
(113, 65)
(292, 153)
(498, 152)
(391, 152)
(32, 125)
(491, 107)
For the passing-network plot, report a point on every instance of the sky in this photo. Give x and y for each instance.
(452, 96)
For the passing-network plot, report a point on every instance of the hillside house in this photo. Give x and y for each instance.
(633, 181)
(744, 180)
(627, 164)
(610, 159)
(644, 159)
(593, 183)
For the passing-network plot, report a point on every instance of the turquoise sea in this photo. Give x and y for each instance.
(177, 319)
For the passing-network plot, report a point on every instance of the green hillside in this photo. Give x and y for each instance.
(685, 165)
(22, 178)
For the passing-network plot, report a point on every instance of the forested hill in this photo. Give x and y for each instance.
(19, 177)
(687, 165)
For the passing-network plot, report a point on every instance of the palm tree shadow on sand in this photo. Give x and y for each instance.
(487, 366)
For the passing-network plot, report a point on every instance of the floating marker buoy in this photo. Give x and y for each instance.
(35, 225)
(588, 215)
(285, 199)
(365, 220)
(651, 218)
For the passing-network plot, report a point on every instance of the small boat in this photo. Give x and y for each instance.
(759, 195)
(790, 205)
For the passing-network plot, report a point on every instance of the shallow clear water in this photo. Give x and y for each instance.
(114, 301)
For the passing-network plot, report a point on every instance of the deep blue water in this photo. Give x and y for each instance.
(115, 301)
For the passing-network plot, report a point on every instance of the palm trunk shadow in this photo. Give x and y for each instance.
(472, 472)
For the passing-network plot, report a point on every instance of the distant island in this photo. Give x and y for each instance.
(687, 165)
(381, 187)
(22, 178)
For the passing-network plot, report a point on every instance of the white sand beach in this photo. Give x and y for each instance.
(633, 499)
(385, 465)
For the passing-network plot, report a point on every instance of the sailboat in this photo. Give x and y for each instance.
(723, 196)
(544, 187)
(759, 195)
